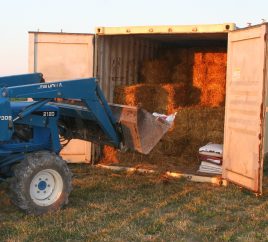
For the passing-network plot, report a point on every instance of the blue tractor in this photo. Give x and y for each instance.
(31, 131)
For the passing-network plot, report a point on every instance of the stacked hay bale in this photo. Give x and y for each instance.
(162, 98)
(209, 76)
(156, 71)
(189, 81)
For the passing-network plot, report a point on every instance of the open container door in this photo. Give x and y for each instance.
(245, 115)
(64, 56)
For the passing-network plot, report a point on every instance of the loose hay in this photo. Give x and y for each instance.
(109, 155)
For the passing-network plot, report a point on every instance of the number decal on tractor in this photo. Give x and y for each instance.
(46, 113)
(49, 114)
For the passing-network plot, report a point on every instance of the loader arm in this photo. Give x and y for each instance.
(86, 90)
(17, 80)
(92, 119)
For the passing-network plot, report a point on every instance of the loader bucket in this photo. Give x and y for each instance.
(141, 130)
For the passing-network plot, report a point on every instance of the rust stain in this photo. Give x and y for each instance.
(258, 188)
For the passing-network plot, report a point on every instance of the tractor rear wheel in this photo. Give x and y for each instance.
(41, 183)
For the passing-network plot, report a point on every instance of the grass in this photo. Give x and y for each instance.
(109, 206)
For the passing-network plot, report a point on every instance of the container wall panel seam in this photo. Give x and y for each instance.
(120, 59)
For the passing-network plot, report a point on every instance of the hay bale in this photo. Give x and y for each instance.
(173, 66)
(210, 78)
(156, 71)
(213, 95)
(211, 55)
(163, 98)
(217, 57)
(217, 74)
(151, 97)
(177, 96)
(199, 75)
(175, 56)
(196, 122)
(193, 96)
(198, 57)
(181, 73)
(216, 136)
(119, 95)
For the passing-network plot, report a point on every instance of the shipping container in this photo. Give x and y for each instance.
(62, 57)
(115, 56)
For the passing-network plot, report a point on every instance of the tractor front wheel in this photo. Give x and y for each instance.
(41, 183)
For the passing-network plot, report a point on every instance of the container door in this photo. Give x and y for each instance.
(61, 56)
(244, 115)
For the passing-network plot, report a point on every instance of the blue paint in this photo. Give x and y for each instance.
(42, 116)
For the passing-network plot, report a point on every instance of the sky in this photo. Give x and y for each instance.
(82, 16)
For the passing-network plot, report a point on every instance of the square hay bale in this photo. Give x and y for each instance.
(156, 71)
(175, 55)
(216, 57)
(177, 96)
(181, 73)
(197, 125)
(199, 75)
(151, 97)
(210, 79)
(193, 96)
(173, 66)
(198, 57)
(211, 55)
(162, 98)
(217, 74)
(213, 95)
(120, 95)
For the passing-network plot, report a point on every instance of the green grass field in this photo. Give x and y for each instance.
(109, 206)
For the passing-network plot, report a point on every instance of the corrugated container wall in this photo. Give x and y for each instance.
(119, 59)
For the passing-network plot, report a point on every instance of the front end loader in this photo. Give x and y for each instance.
(30, 131)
